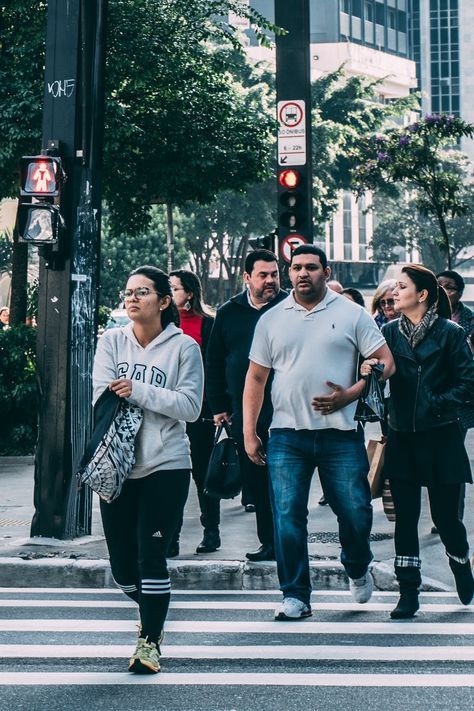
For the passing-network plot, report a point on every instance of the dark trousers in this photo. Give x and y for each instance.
(138, 527)
(255, 482)
(201, 438)
(444, 504)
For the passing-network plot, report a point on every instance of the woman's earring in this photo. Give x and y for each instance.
(187, 306)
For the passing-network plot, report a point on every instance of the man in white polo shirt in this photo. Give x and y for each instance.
(311, 341)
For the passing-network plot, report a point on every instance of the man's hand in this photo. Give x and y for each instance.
(121, 387)
(222, 417)
(327, 404)
(254, 449)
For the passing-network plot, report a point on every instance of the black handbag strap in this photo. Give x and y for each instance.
(223, 426)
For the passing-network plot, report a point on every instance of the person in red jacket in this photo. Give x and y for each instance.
(196, 321)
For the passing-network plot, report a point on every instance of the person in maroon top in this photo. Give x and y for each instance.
(196, 321)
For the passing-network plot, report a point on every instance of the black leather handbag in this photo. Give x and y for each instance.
(223, 477)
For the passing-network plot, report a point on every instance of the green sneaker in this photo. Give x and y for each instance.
(146, 658)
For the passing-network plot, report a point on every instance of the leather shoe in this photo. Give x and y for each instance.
(265, 552)
(211, 541)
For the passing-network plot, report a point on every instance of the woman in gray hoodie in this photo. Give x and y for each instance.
(152, 364)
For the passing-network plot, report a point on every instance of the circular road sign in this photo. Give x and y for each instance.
(291, 114)
(290, 243)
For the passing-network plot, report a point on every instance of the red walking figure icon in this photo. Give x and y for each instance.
(42, 176)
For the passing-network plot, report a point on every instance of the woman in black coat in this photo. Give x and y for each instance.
(425, 447)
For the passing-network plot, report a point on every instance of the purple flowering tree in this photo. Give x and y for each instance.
(413, 156)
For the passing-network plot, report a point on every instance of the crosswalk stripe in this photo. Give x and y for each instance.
(289, 652)
(229, 679)
(224, 605)
(223, 593)
(243, 626)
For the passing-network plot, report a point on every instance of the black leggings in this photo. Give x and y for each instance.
(138, 526)
(444, 503)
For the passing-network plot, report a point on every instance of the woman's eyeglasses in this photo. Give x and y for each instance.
(386, 302)
(140, 293)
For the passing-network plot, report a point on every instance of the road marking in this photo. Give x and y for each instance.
(234, 679)
(197, 593)
(226, 605)
(317, 652)
(243, 627)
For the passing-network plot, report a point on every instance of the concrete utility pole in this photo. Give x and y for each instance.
(293, 84)
(69, 275)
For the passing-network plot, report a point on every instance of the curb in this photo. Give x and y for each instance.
(189, 575)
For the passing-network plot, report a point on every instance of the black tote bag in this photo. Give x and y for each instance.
(223, 477)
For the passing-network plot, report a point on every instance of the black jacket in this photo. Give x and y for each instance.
(227, 357)
(431, 380)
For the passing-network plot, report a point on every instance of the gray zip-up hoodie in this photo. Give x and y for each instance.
(167, 377)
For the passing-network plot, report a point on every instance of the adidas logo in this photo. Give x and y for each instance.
(157, 534)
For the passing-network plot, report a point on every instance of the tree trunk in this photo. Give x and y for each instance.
(19, 288)
(444, 232)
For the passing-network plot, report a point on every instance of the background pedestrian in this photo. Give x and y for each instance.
(383, 303)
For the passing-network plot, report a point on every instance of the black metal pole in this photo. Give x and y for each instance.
(293, 85)
(72, 123)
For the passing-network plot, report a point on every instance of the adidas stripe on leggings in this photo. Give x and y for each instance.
(138, 526)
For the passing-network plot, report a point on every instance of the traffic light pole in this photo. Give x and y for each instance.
(293, 86)
(72, 128)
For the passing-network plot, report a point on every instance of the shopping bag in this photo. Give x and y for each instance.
(376, 455)
(223, 477)
(371, 404)
(387, 500)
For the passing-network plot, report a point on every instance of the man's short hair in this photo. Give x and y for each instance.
(455, 276)
(264, 255)
(310, 249)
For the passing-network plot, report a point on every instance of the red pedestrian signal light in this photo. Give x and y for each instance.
(39, 218)
(41, 176)
(289, 178)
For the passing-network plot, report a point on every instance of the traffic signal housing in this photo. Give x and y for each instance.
(291, 199)
(39, 219)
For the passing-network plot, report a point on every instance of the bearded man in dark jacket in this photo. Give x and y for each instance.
(227, 362)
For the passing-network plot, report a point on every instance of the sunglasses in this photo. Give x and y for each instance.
(386, 302)
(140, 293)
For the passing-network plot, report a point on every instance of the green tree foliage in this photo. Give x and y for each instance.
(6, 252)
(120, 253)
(345, 111)
(17, 390)
(413, 156)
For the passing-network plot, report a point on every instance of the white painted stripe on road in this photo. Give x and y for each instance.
(197, 593)
(309, 652)
(234, 679)
(225, 605)
(244, 627)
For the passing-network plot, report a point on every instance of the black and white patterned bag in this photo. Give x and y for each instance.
(110, 453)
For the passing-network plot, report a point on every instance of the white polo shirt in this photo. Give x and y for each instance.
(307, 348)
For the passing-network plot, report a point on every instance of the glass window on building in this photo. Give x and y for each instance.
(347, 224)
(362, 228)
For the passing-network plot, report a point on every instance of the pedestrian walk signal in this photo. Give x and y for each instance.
(39, 219)
(41, 176)
(291, 200)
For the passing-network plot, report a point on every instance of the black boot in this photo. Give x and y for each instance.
(407, 606)
(464, 580)
(409, 580)
(211, 541)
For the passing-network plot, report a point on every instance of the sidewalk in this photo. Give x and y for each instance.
(83, 562)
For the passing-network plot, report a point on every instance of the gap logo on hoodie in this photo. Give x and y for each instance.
(142, 373)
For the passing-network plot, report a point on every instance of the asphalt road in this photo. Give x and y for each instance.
(63, 649)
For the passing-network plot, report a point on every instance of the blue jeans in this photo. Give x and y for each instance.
(342, 462)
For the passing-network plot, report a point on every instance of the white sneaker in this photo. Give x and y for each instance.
(362, 588)
(292, 609)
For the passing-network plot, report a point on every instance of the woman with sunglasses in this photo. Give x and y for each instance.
(197, 320)
(383, 303)
(425, 446)
(152, 364)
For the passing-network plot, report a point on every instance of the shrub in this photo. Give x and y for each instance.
(18, 392)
